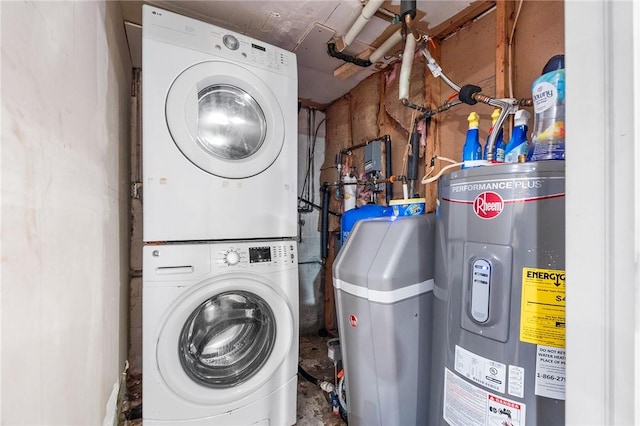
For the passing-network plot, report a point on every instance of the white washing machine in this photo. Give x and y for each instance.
(219, 133)
(220, 333)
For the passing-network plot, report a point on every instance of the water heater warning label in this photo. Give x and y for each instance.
(542, 312)
(551, 375)
(468, 405)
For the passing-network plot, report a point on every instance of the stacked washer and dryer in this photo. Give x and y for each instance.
(220, 276)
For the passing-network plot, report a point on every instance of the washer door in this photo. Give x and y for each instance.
(224, 339)
(225, 119)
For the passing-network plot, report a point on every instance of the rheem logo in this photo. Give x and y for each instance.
(353, 320)
(488, 205)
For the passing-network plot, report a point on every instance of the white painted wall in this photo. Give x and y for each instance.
(603, 212)
(65, 214)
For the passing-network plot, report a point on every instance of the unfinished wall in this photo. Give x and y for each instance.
(65, 213)
(467, 56)
(370, 111)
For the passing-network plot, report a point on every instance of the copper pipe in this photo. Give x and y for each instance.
(409, 22)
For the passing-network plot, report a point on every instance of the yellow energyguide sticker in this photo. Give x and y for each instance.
(542, 312)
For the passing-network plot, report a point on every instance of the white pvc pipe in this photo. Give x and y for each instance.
(367, 12)
(394, 39)
(407, 63)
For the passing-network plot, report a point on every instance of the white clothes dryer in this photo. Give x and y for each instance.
(219, 133)
(220, 333)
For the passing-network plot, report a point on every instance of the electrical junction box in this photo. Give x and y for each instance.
(373, 157)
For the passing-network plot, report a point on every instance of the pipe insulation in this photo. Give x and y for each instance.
(387, 168)
(408, 7)
(412, 165)
(379, 53)
(405, 71)
(367, 12)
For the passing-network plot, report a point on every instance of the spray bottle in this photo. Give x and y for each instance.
(518, 144)
(499, 145)
(472, 150)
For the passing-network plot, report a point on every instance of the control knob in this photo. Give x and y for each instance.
(231, 257)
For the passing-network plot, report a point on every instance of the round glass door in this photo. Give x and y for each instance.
(224, 339)
(227, 339)
(231, 124)
(225, 119)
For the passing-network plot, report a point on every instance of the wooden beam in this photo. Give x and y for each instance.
(504, 23)
(454, 23)
(329, 297)
(308, 103)
(433, 99)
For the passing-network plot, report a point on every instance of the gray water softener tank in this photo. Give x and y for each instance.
(383, 281)
(499, 297)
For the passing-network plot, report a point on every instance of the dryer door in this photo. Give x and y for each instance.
(224, 339)
(225, 119)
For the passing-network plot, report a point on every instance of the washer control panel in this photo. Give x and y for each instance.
(259, 255)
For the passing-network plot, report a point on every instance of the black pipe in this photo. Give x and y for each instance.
(412, 165)
(387, 168)
(324, 224)
(317, 207)
(408, 7)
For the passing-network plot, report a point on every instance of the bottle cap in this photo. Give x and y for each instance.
(521, 118)
(553, 64)
(473, 120)
(495, 115)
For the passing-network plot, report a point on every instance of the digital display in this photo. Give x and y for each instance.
(259, 254)
(255, 46)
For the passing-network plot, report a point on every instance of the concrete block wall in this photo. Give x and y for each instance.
(310, 266)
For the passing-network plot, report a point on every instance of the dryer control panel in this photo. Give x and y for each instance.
(169, 27)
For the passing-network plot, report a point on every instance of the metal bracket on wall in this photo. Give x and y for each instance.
(136, 190)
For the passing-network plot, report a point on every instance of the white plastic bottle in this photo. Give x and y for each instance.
(349, 192)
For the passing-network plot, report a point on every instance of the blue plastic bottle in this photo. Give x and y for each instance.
(518, 144)
(499, 148)
(472, 150)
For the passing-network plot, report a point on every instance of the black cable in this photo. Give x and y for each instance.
(331, 50)
(307, 376)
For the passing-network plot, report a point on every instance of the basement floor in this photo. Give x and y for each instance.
(313, 408)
